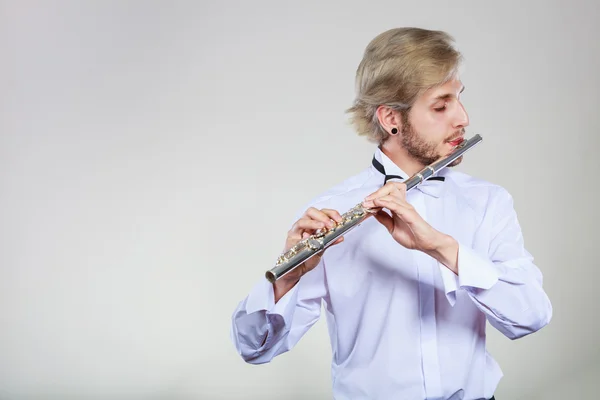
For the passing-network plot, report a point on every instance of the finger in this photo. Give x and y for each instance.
(333, 214)
(383, 191)
(385, 220)
(310, 264)
(319, 216)
(405, 212)
(395, 199)
(337, 241)
(304, 224)
(391, 197)
(398, 190)
(386, 189)
(394, 202)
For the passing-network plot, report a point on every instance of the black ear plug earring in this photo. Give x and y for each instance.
(394, 131)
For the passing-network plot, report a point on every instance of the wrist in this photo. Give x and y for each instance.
(445, 251)
(282, 286)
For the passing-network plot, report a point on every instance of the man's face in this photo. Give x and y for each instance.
(436, 124)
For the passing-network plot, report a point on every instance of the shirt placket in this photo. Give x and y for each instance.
(428, 329)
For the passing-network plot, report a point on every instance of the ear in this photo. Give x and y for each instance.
(389, 118)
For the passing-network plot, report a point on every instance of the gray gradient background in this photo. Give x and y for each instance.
(153, 154)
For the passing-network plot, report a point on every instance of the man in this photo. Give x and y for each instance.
(407, 294)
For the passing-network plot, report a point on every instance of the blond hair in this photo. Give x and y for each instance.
(397, 67)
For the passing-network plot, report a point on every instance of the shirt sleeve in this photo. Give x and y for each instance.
(261, 329)
(504, 283)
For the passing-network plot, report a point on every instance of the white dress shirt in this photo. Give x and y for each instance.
(402, 325)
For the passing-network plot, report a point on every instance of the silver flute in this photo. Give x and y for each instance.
(321, 239)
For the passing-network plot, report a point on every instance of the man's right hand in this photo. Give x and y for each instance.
(311, 221)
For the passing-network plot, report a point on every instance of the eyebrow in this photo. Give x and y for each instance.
(447, 96)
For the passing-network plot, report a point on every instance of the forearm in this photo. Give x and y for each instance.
(516, 310)
(445, 251)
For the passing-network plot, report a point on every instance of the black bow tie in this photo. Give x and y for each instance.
(379, 167)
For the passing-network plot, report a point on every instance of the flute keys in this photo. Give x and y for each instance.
(320, 233)
(358, 213)
(314, 244)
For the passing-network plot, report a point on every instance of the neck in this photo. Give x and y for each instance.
(398, 154)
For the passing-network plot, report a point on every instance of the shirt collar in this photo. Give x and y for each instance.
(430, 187)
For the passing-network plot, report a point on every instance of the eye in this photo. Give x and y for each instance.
(440, 109)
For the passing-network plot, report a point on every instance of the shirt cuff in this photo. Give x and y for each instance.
(474, 271)
(450, 283)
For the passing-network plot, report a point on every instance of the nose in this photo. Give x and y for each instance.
(462, 118)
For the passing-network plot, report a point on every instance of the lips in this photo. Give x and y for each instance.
(456, 141)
